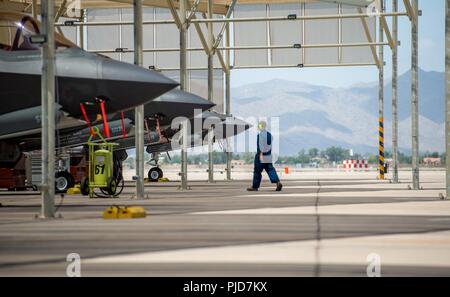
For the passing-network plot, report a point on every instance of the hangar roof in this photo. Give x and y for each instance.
(220, 6)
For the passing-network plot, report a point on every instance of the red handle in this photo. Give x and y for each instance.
(83, 111)
(105, 120)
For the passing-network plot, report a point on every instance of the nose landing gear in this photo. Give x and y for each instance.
(155, 173)
(63, 181)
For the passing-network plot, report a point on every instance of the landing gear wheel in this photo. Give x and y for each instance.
(84, 186)
(63, 181)
(154, 174)
(112, 186)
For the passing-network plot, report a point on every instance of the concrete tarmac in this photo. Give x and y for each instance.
(321, 224)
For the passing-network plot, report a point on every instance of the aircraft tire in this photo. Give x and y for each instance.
(63, 181)
(154, 174)
(84, 186)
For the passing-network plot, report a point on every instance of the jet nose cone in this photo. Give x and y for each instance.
(127, 85)
(182, 97)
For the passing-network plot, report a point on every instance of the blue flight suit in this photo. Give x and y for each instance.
(264, 146)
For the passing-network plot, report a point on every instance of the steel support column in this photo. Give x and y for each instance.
(82, 30)
(183, 86)
(447, 100)
(228, 96)
(395, 94)
(210, 88)
(34, 9)
(415, 95)
(48, 111)
(139, 111)
(381, 160)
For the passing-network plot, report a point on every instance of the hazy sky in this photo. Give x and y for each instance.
(431, 55)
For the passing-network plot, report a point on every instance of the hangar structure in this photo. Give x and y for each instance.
(200, 42)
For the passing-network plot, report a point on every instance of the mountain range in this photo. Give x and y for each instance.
(319, 116)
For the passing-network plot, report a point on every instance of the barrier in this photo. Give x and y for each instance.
(358, 165)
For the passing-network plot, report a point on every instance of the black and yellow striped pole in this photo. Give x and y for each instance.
(381, 161)
(381, 148)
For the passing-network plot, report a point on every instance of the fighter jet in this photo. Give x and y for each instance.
(158, 115)
(223, 127)
(81, 78)
(158, 138)
(166, 138)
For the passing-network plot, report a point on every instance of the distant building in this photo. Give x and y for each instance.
(428, 161)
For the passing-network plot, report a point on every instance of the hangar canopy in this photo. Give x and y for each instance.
(263, 39)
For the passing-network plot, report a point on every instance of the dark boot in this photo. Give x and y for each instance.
(279, 187)
(251, 189)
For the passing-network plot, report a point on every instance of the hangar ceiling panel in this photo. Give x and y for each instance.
(199, 58)
(286, 33)
(321, 32)
(103, 37)
(353, 32)
(127, 35)
(250, 33)
(166, 36)
(308, 32)
(69, 32)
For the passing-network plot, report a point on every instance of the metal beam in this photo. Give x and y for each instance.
(447, 97)
(275, 66)
(395, 94)
(183, 85)
(219, 8)
(381, 160)
(194, 20)
(201, 36)
(409, 10)
(415, 95)
(228, 96)
(113, 23)
(139, 111)
(222, 29)
(34, 9)
(387, 31)
(369, 39)
(210, 8)
(173, 10)
(228, 48)
(219, 54)
(83, 31)
(193, 10)
(299, 18)
(59, 13)
(48, 111)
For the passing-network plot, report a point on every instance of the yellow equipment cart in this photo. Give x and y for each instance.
(101, 164)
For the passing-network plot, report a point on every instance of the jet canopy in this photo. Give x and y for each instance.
(16, 30)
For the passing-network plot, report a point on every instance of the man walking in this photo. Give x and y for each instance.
(263, 159)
